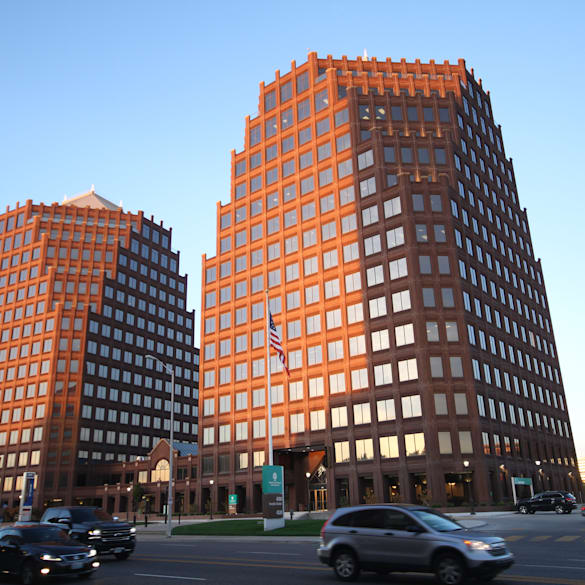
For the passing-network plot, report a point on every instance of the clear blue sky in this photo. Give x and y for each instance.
(147, 99)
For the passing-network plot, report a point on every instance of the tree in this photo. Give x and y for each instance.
(137, 494)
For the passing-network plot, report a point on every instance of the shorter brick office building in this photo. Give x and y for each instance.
(86, 292)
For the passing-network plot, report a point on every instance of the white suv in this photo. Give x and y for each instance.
(385, 538)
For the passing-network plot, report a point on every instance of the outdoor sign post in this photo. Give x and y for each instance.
(521, 481)
(232, 504)
(26, 496)
(273, 496)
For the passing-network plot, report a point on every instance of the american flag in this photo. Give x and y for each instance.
(276, 343)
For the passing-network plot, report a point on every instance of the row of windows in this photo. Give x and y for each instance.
(21, 393)
(137, 359)
(16, 241)
(13, 260)
(413, 113)
(123, 396)
(153, 255)
(141, 323)
(286, 117)
(475, 250)
(87, 254)
(508, 414)
(507, 352)
(506, 299)
(289, 193)
(289, 167)
(126, 377)
(392, 207)
(493, 445)
(147, 288)
(19, 313)
(12, 222)
(122, 438)
(12, 437)
(18, 413)
(307, 184)
(378, 307)
(151, 274)
(407, 370)
(113, 222)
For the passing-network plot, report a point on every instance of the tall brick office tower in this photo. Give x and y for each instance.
(86, 291)
(375, 202)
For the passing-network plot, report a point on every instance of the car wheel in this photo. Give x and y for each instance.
(345, 565)
(559, 509)
(28, 574)
(122, 556)
(523, 509)
(449, 570)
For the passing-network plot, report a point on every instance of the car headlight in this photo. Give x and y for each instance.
(92, 553)
(132, 530)
(95, 532)
(50, 557)
(477, 545)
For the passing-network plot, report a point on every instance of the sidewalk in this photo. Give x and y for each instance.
(158, 527)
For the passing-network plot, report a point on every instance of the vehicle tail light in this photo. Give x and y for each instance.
(582, 508)
(323, 528)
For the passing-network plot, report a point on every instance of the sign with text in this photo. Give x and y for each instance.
(26, 496)
(522, 480)
(232, 504)
(273, 491)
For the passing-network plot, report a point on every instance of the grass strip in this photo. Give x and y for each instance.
(252, 527)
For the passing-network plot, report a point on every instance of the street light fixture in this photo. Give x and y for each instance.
(128, 489)
(466, 464)
(308, 476)
(211, 482)
(171, 370)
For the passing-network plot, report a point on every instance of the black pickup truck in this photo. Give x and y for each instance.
(94, 527)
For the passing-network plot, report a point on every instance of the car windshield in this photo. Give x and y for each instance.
(437, 521)
(90, 515)
(44, 534)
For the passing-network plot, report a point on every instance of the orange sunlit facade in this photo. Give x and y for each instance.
(359, 201)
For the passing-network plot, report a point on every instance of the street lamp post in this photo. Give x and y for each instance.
(539, 472)
(171, 370)
(129, 499)
(211, 482)
(308, 476)
(466, 465)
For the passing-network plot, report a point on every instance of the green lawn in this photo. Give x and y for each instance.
(254, 527)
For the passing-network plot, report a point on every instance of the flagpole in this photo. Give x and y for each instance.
(269, 390)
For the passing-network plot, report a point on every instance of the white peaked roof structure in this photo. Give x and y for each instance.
(93, 200)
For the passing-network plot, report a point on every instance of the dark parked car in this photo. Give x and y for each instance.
(96, 528)
(33, 551)
(385, 538)
(559, 501)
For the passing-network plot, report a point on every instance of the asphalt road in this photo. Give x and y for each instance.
(549, 550)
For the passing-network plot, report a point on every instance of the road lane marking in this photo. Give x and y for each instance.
(514, 537)
(568, 538)
(234, 564)
(565, 567)
(253, 552)
(543, 580)
(170, 577)
(540, 538)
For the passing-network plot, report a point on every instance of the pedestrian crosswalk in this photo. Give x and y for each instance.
(544, 537)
